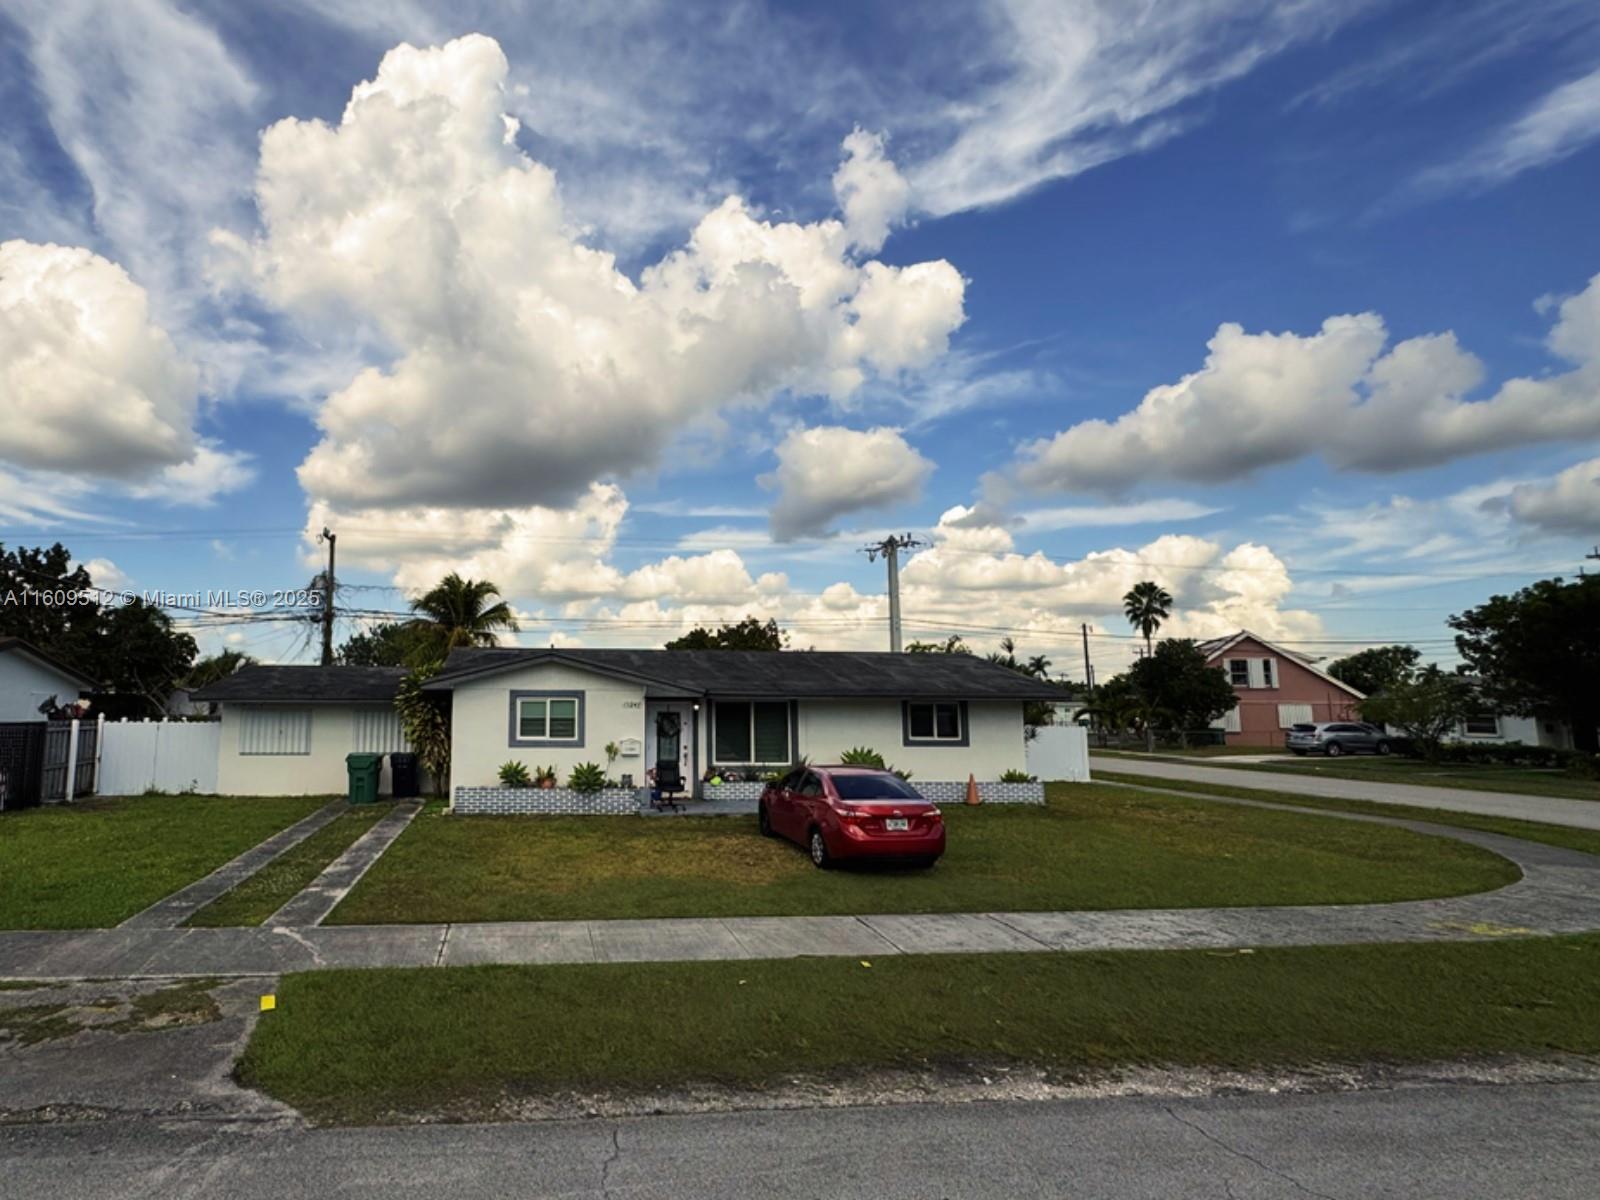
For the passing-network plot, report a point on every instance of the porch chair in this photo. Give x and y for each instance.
(669, 783)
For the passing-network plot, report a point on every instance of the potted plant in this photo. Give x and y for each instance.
(545, 777)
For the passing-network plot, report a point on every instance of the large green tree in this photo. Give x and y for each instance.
(1146, 606)
(130, 648)
(459, 612)
(748, 634)
(1178, 682)
(1425, 707)
(391, 644)
(1375, 669)
(1537, 653)
(216, 666)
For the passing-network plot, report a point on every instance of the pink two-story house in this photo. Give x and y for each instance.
(1276, 689)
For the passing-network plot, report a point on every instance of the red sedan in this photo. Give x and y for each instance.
(852, 812)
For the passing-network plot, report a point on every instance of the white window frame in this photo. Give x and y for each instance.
(958, 738)
(1269, 672)
(1233, 676)
(750, 716)
(547, 736)
(1468, 731)
(1289, 715)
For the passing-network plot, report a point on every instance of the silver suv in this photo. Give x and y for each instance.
(1334, 738)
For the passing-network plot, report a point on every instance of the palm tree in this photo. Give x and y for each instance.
(1147, 604)
(460, 613)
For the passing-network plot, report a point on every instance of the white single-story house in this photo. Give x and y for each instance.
(286, 730)
(30, 678)
(941, 717)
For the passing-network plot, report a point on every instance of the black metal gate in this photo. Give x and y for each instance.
(21, 763)
(57, 750)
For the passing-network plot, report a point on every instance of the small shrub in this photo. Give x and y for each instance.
(514, 775)
(862, 756)
(586, 777)
(544, 777)
(1015, 776)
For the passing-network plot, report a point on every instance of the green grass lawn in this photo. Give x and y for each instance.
(1485, 777)
(1585, 840)
(1090, 848)
(270, 888)
(1482, 778)
(97, 862)
(371, 1046)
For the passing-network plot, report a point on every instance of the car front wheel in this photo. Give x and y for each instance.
(763, 820)
(1334, 750)
(818, 849)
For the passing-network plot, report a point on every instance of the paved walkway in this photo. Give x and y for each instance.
(1575, 814)
(312, 905)
(1559, 893)
(181, 905)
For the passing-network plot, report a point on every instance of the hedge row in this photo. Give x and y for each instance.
(1513, 754)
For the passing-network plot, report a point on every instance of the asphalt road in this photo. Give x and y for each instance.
(1455, 1142)
(1577, 814)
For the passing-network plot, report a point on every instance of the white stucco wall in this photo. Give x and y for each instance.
(26, 684)
(830, 727)
(321, 772)
(480, 724)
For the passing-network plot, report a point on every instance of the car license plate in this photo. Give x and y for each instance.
(896, 823)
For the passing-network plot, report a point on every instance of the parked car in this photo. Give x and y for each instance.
(841, 813)
(1334, 738)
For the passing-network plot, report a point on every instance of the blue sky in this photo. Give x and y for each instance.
(1289, 306)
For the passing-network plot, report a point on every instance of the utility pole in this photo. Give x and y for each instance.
(1088, 667)
(327, 535)
(890, 548)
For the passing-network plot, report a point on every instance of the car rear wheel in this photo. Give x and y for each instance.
(1382, 747)
(1335, 750)
(764, 820)
(818, 849)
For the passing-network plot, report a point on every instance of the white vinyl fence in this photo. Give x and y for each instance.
(169, 756)
(1060, 752)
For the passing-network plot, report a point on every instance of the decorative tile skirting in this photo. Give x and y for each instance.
(733, 791)
(954, 791)
(479, 801)
(497, 801)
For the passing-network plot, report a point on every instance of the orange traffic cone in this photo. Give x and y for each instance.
(972, 791)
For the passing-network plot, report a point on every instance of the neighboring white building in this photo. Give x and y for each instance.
(287, 730)
(29, 678)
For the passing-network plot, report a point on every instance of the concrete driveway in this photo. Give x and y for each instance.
(1576, 814)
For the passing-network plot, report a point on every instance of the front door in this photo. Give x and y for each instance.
(669, 737)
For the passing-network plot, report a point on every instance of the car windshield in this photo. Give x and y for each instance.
(873, 787)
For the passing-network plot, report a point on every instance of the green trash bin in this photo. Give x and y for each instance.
(363, 769)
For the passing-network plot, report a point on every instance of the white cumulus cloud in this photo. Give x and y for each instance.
(1263, 399)
(826, 472)
(1569, 503)
(525, 364)
(90, 384)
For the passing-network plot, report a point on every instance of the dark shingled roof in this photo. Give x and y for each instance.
(754, 673)
(306, 685)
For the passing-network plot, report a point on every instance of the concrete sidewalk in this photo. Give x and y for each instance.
(1559, 893)
(172, 911)
(1574, 814)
